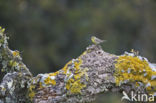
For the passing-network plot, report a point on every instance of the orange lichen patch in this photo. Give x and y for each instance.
(133, 69)
(49, 81)
(65, 68)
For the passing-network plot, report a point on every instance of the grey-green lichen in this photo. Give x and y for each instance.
(17, 74)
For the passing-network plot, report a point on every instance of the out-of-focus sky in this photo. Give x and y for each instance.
(49, 33)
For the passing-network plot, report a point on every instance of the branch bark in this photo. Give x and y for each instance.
(80, 80)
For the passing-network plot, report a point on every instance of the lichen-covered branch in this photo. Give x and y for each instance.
(13, 87)
(80, 80)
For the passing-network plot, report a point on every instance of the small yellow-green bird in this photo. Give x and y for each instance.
(96, 40)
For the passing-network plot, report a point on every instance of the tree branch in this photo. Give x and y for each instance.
(80, 80)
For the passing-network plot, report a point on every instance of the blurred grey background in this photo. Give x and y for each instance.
(49, 33)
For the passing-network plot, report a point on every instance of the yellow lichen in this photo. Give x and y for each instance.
(15, 53)
(49, 81)
(54, 74)
(31, 92)
(40, 85)
(74, 84)
(12, 63)
(65, 68)
(84, 53)
(72, 79)
(77, 64)
(133, 69)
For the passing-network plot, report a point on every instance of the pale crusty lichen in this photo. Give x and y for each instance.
(136, 69)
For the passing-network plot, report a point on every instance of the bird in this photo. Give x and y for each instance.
(96, 40)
